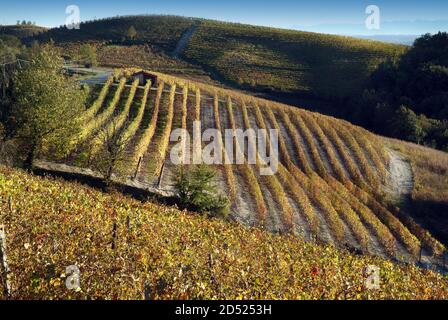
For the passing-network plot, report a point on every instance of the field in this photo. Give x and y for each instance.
(334, 180)
(126, 249)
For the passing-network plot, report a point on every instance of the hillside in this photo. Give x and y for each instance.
(429, 197)
(336, 183)
(143, 55)
(125, 248)
(22, 31)
(286, 61)
(284, 64)
(161, 31)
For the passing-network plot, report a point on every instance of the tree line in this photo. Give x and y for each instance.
(25, 23)
(407, 97)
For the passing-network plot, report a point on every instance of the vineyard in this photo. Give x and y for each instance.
(144, 56)
(259, 59)
(333, 177)
(288, 61)
(126, 249)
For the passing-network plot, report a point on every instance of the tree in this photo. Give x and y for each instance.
(198, 192)
(47, 105)
(9, 48)
(10, 41)
(131, 34)
(418, 80)
(33, 50)
(88, 56)
(406, 125)
(112, 157)
(419, 75)
(8, 148)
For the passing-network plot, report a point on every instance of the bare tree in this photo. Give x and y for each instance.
(112, 157)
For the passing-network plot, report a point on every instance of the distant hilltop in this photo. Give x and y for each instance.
(407, 40)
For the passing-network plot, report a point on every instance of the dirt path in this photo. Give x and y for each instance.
(169, 170)
(401, 180)
(183, 41)
(244, 208)
(92, 75)
(146, 173)
(83, 173)
(400, 186)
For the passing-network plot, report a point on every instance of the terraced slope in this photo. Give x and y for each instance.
(332, 179)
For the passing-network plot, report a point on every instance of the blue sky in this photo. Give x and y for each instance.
(329, 16)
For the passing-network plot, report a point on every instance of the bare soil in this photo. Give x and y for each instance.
(401, 180)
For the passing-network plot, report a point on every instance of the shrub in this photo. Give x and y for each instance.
(197, 191)
(88, 56)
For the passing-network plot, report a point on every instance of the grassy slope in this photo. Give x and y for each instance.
(119, 56)
(261, 59)
(54, 224)
(430, 193)
(286, 60)
(160, 31)
(22, 31)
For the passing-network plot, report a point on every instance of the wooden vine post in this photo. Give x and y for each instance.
(138, 167)
(114, 236)
(159, 182)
